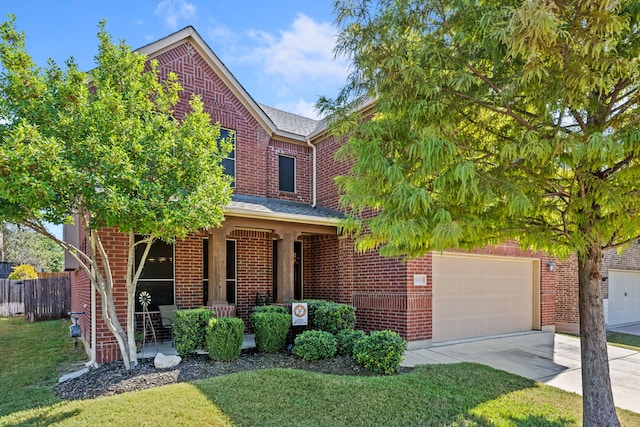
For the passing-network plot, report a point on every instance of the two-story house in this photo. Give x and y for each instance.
(280, 237)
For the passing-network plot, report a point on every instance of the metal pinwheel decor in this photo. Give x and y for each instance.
(145, 299)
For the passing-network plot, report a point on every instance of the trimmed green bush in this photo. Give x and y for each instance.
(347, 338)
(189, 330)
(270, 329)
(315, 345)
(224, 338)
(270, 309)
(331, 316)
(380, 351)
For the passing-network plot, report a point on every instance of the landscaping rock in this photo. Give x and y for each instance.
(162, 361)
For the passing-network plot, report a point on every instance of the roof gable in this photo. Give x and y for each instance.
(275, 122)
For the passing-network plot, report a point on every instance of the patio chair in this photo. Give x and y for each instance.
(168, 318)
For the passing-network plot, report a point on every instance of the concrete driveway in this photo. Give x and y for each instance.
(542, 356)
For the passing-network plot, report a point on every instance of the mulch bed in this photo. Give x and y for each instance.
(113, 378)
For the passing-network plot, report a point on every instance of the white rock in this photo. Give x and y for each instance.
(162, 361)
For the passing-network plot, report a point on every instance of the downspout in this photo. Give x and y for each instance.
(313, 150)
(92, 363)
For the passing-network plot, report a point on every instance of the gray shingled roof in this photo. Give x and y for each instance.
(262, 205)
(292, 123)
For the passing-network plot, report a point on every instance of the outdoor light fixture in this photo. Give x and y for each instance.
(551, 266)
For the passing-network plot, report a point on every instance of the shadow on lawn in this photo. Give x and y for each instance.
(430, 395)
(45, 419)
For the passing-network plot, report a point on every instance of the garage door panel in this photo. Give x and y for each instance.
(476, 296)
(624, 297)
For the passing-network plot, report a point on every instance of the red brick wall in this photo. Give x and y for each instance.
(419, 300)
(196, 77)
(188, 271)
(81, 301)
(324, 262)
(256, 154)
(328, 167)
(254, 268)
(566, 307)
(303, 164)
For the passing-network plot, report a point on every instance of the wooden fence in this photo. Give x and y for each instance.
(41, 299)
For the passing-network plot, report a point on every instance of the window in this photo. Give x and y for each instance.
(157, 275)
(287, 174)
(229, 162)
(231, 272)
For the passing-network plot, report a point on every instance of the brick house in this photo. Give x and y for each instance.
(280, 237)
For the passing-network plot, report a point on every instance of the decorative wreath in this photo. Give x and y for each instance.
(145, 299)
(299, 310)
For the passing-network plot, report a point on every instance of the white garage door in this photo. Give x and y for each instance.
(477, 295)
(624, 297)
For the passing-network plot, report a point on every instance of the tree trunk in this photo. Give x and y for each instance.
(597, 397)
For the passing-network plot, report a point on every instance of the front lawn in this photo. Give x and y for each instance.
(30, 355)
(632, 342)
(443, 395)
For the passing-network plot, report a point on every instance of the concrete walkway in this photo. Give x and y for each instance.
(549, 358)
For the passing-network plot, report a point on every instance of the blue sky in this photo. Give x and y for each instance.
(281, 51)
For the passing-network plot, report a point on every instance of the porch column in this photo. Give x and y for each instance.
(217, 267)
(286, 260)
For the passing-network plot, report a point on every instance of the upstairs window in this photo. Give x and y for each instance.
(287, 174)
(229, 162)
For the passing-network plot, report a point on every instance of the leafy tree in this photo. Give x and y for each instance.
(107, 148)
(24, 246)
(497, 120)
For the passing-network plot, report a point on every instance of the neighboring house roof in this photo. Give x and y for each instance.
(292, 123)
(280, 210)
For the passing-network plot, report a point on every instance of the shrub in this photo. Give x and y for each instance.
(347, 338)
(270, 329)
(189, 330)
(315, 345)
(330, 316)
(380, 351)
(23, 272)
(224, 338)
(270, 309)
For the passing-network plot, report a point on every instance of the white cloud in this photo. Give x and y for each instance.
(303, 51)
(174, 11)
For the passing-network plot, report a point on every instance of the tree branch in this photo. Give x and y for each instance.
(508, 112)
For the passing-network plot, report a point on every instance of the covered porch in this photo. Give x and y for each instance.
(151, 349)
(265, 253)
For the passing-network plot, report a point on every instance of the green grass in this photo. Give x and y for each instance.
(632, 342)
(30, 355)
(441, 395)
